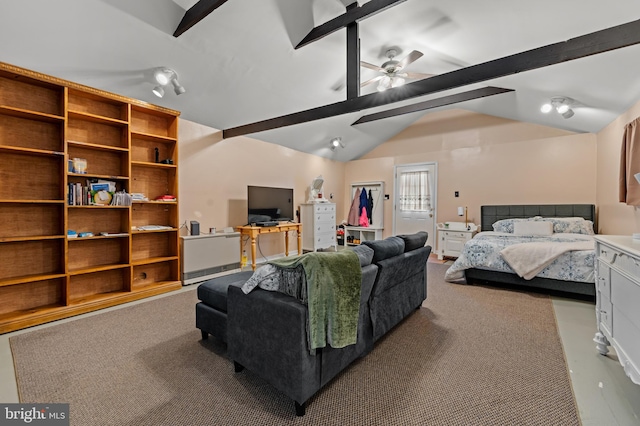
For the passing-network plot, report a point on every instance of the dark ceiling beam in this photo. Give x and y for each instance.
(590, 44)
(353, 57)
(434, 103)
(197, 13)
(352, 15)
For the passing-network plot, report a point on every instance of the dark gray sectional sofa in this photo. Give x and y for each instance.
(266, 331)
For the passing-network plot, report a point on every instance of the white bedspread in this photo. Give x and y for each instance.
(529, 259)
(484, 252)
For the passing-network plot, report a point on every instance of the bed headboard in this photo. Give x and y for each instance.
(491, 214)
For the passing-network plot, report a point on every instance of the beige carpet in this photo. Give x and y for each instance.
(471, 356)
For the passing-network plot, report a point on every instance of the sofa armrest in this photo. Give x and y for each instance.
(267, 334)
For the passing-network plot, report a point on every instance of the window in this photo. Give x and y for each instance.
(414, 191)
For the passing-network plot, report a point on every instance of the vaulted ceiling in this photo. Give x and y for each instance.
(239, 64)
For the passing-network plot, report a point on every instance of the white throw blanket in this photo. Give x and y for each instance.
(529, 259)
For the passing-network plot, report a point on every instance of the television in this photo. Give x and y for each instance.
(266, 204)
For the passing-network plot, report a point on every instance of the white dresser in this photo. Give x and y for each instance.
(618, 300)
(318, 226)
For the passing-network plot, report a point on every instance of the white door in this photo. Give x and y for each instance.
(415, 199)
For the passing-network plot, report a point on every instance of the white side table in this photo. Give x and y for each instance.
(451, 240)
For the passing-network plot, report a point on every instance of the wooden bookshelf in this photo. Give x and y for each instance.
(44, 275)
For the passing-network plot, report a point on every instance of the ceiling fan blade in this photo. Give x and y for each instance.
(411, 57)
(416, 75)
(371, 66)
(373, 80)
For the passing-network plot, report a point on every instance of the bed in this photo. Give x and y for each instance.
(570, 273)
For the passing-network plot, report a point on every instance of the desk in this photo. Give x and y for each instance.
(253, 232)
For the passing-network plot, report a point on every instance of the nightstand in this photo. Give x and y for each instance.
(451, 240)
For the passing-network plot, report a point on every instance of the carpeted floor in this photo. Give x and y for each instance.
(471, 356)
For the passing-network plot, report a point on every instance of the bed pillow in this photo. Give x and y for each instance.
(414, 241)
(384, 249)
(506, 225)
(533, 227)
(573, 225)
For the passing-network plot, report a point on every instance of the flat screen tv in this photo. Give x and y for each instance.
(267, 204)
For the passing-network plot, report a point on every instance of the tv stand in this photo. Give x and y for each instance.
(253, 232)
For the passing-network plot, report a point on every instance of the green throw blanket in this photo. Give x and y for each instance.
(333, 295)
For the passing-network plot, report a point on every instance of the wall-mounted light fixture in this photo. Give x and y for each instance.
(163, 76)
(335, 143)
(562, 105)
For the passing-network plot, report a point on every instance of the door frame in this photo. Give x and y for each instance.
(434, 195)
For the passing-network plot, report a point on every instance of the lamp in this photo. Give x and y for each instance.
(462, 211)
(163, 76)
(335, 143)
(562, 105)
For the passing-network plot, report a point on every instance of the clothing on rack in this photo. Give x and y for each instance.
(370, 208)
(364, 200)
(354, 212)
(364, 219)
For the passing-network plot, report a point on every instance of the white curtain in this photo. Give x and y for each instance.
(415, 194)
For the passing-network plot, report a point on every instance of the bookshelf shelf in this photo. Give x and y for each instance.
(95, 269)
(29, 278)
(30, 151)
(95, 176)
(147, 164)
(96, 146)
(30, 115)
(45, 121)
(34, 238)
(97, 118)
(154, 260)
(98, 207)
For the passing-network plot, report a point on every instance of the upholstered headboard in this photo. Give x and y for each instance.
(491, 214)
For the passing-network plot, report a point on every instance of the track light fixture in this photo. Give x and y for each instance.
(562, 105)
(335, 143)
(163, 76)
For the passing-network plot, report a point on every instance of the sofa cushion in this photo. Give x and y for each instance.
(414, 241)
(384, 249)
(213, 292)
(365, 254)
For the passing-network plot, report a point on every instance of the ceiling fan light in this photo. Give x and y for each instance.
(158, 91)
(162, 75)
(568, 113)
(397, 82)
(177, 87)
(546, 108)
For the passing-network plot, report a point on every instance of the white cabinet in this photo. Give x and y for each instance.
(450, 241)
(318, 226)
(617, 300)
(354, 235)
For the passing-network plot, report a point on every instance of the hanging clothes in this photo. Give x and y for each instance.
(364, 202)
(354, 212)
(370, 208)
(629, 188)
(364, 220)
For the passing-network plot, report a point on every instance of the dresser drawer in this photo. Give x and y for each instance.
(329, 208)
(625, 295)
(457, 235)
(325, 218)
(605, 311)
(619, 260)
(325, 240)
(604, 279)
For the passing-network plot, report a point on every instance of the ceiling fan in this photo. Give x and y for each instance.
(393, 74)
